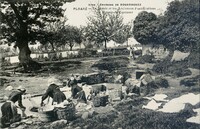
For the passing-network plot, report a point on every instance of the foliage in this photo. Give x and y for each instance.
(23, 21)
(194, 81)
(193, 60)
(114, 51)
(28, 18)
(144, 27)
(52, 35)
(102, 26)
(145, 59)
(111, 63)
(177, 29)
(56, 67)
(87, 53)
(70, 35)
(177, 69)
(123, 34)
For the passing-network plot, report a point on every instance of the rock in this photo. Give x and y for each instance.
(9, 88)
(58, 124)
(85, 115)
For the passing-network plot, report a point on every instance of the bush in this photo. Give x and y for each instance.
(188, 82)
(111, 64)
(87, 53)
(115, 51)
(145, 59)
(193, 60)
(177, 69)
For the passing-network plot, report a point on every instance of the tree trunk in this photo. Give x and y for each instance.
(25, 59)
(71, 48)
(105, 44)
(24, 53)
(53, 48)
(127, 42)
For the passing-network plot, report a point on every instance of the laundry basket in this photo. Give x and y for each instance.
(67, 113)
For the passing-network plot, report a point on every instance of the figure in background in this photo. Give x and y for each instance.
(77, 91)
(54, 92)
(9, 109)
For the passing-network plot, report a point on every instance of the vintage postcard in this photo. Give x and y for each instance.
(99, 64)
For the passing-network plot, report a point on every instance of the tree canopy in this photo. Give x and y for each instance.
(23, 21)
(123, 34)
(70, 35)
(102, 26)
(177, 29)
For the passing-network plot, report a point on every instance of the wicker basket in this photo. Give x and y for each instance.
(67, 113)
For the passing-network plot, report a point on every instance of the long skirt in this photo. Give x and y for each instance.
(59, 97)
(9, 114)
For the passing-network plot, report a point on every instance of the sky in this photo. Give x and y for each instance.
(78, 11)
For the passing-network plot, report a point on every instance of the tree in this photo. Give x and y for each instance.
(70, 35)
(103, 26)
(144, 27)
(23, 21)
(123, 34)
(53, 34)
(177, 29)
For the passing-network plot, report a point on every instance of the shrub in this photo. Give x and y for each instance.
(145, 59)
(115, 51)
(177, 69)
(111, 63)
(87, 53)
(194, 81)
(193, 60)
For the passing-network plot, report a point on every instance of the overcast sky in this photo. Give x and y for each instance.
(77, 11)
